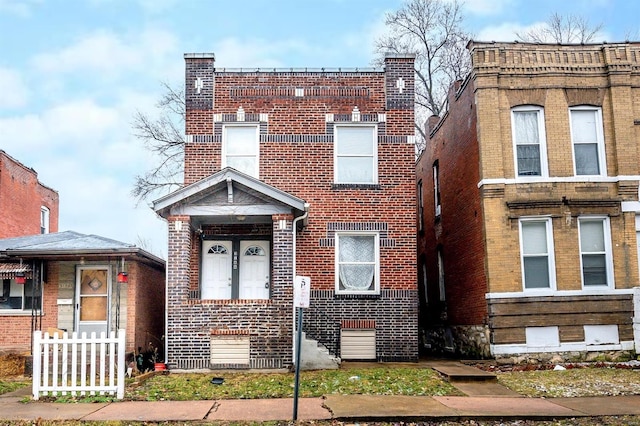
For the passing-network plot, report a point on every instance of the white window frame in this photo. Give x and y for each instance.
(436, 188)
(441, 283)
(544, 166)
(376, 278)
(551, 263)
(225, 142)
(374, 155)
(608, 251)
(44, 219)
(602, 158)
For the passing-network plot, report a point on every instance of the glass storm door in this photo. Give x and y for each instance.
(216, 270)
(92, 296)
(254, 270)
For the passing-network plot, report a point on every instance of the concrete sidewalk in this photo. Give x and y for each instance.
(485, 399)
(336, 407)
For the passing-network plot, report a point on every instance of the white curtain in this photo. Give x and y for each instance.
(356, 258)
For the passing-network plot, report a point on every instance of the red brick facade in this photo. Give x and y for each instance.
(538, 240)
(22, 197)
(296, 112)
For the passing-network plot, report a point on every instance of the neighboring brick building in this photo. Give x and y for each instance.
(27, 207)
(530, 209)
(71, 284)
(293, 172)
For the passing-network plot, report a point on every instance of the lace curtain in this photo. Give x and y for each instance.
(356, 262)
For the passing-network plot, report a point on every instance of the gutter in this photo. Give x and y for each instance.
(304, 218)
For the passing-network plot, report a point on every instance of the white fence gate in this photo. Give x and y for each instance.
(78, 365)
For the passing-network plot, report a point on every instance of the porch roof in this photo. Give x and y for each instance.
(70, 244)
(228, 194)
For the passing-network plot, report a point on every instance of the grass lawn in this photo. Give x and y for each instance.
(9, 385)
(577, 382)
(369, 381)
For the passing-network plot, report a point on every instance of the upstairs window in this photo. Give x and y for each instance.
(44, 220)
(436, 187)
(357, 263)
(536, 251)
(527, 127)
(355, 154)
(588, 141)
(595, 252)
(241, 148)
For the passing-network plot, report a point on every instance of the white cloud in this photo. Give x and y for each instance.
(505, 31)
(254, 53)
(14, 90)
(110, 55)
(21, 8)
(486, 7)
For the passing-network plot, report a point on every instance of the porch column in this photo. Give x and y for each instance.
(282, 261)
(178, 273)
(282, 290)
(179, 259)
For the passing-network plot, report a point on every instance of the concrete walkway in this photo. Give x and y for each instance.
(480, 403)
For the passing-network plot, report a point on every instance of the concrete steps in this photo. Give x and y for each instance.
(472, 381)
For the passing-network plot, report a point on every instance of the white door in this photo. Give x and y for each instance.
(92, 299)
(216, 270)
(254, 270)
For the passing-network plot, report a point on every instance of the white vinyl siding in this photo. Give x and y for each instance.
(241, 148)
(595, 252)
(355, 154)
(588, 141)
(529, 142)
(536, 253)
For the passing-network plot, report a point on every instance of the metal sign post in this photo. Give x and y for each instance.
(301, 293)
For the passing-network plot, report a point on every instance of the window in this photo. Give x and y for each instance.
(357, 263)
(436, 186)
(424, 282)
(44, 220)
(441, 276)
(355, 154)
(241, 148)
(420, 207)
(588, 141)
(19, 296)
(595, 252)
(536, 251)
(527, 127)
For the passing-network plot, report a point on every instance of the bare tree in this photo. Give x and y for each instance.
(432, 29)
(562, 29)
(164, 137)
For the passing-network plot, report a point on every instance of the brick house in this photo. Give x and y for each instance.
(293, 172)
(71, 284)
(529, 209)
(27, 207)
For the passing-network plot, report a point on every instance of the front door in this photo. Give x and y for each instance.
(235, 269)
(92, 299)
(254, 270)
(216, 270)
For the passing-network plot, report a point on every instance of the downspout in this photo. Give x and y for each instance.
(295, 228)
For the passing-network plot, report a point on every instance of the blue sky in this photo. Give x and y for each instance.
(72, 73)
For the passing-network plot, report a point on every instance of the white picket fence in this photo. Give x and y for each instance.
(78, 365)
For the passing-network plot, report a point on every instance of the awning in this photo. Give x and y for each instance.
(9, 270)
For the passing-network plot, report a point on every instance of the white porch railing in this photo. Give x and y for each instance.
(78, 365)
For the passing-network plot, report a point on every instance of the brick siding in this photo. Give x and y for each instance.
(296, 156)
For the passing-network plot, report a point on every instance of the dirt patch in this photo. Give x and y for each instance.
(508, 368)
(11, 365)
